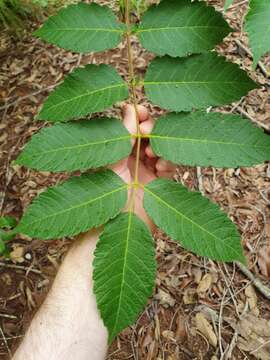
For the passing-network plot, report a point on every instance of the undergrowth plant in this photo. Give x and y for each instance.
(15, 13)
(186, 77)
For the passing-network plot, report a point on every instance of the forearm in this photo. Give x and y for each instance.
(67, 326)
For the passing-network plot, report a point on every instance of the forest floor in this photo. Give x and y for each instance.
(200, 309)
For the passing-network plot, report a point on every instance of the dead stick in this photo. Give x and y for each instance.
(20, 267)
(243, 112)
(264, 290)
(247, 51)
(7, 316)
(5, 342)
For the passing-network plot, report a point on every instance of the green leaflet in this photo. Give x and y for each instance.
(124, 271)
(192, 220)
(213, 139)
(179, 28)
(84, 91)
(77, 146)
(7, 222)
(257, 26)
(2, 245)
(83, 28)
(183, 84)
(78, 204)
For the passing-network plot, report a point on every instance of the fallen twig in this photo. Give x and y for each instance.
(238, 4)
(243, 112)
(230, 348)
(247, 51)
(7, 316)
(5, 342)
(20, 267)
(200, 179)
(264, 290)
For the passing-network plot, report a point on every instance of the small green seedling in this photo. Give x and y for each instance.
(7, 223)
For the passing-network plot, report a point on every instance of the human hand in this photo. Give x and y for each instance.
(150, 166)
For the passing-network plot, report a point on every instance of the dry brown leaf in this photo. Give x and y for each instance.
(206, 329)
(264, 260)
(252, 299)
(168, 334)
(254, 336)
(30, 300)
(180, 333)
(16, 255)
(204, 284)
(189, 297)
(6, 279)
(164, 298)
(148, 338)
(197, 273)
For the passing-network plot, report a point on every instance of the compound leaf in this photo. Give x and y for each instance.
(83, 28)
(179, 28)
(192, 220)
(211, 139)
(77, 146)
(124, 271)
(258, 28)
(196, 82)
(78, 204)
(86, 90)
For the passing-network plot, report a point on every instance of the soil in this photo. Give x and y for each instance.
(200, 309)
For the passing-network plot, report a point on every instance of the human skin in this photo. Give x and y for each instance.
(68, 325)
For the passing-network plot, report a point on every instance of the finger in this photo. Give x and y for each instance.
(146, 127)
(149, 152)
(142, 152)
(165, 174)
(150, 163)
(143, 113)
(129, 118)
(163, 165)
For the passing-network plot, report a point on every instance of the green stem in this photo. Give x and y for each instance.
(134, 102)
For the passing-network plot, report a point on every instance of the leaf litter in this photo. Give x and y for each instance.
(200, 310)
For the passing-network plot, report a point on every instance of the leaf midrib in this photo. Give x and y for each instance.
(80, 205)
(80, 146)
(89, 93)
(123, 272)
(140, 30)
(188, 219)
(206, 141)
(89, 29)
(192, 82)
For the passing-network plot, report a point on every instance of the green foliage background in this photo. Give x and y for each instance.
(14, 13)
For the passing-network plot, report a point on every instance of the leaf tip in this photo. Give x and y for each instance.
(37, 33)
(41, 115)
(111, 337)
(17, 161)
(242, 259)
